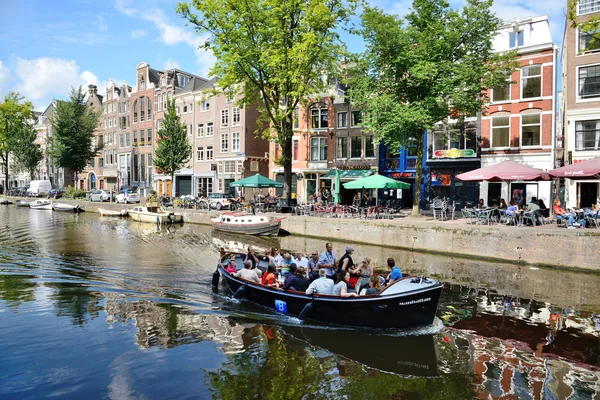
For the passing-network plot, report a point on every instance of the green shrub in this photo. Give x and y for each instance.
(74, 193)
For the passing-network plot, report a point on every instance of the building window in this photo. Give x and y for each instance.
(209, 129)
(295, 148)
(148, 108)
(296, 119)
(224, 118)
(500, 131)
(200, 154)
(236, 116)
(341, 146)
(319, 118)
(142, 110)
(149, 169)
(142, 85)
(224, 142)
(586, 44)
(531, 130)
(121, 141)
(209, 153)
(190, 130)
(501, 93)
(127, 140)
(205, 106)
(164, 101)
(185, 109)
(342, 119)
(159, 124)
(355, 146)
(135, 141)
(101, 162)
(318, 149)
(135, 111)
(531, 81)
(515, 39)
(229, 167)
(369, 147)
(253, 166)
(588, 6)
(587, 135)
(200, 130)
(149, 131)
(356, 118)
(235, 141)
(589, 81)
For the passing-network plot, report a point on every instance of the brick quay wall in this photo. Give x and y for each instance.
(548, 246)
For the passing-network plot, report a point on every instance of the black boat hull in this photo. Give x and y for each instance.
(406, 310)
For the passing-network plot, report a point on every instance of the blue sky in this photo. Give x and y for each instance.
(46, 47)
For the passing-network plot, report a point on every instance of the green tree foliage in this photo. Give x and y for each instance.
(272, 53)
(173, 150)
(418, 71)
(27, 154)
(590, 24)
(16, 116)
(72, 144)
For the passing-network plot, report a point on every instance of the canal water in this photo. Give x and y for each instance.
(92, 307)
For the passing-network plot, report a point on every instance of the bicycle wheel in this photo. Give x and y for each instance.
(202, 205)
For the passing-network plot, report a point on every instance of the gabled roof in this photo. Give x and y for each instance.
(154, 75)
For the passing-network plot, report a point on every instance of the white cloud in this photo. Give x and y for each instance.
(43, 79)
(138, 33)
(170, 63)
(4, 79)
(101, 24)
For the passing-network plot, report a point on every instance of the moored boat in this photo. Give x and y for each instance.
(247, 223)
(5, 201)
(22, 203)
(112, 213)
(409, 302)
(154, 215)
(66, 207)
(40, 204)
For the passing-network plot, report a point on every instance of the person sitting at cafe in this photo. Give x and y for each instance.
(503, 205)
(512, 212)
(298, 282)
(395, 275)
(533, 205)
(323, 285)
(248, 273)
(341, 287)
(562, 214)
(480, 204)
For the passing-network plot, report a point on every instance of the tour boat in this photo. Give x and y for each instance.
(247, 223)
(40, 204)
(112, 213)
(154, 215)
(407, 303)
(66, 207)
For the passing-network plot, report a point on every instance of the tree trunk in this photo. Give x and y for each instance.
(5, 171)
(286, 150)
(416, 211)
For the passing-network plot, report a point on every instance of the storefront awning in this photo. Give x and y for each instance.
(349, 173)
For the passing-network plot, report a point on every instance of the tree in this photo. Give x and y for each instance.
(15, 116)
(418, 71)
(588, 25)
(273, 54)
(173, 149)
(72, 143)
(27, 153)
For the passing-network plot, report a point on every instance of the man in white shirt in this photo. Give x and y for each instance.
(300, 260)
(247, 272)
(323, 285)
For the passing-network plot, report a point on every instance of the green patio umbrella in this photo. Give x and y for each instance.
(376, 182)
(337, 186)
(256, 181)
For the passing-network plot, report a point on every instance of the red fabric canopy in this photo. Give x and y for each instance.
(589, 169)
(505, 171)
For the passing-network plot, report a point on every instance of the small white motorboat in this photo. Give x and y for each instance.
(112, 213)
(247, 223)
(22, 203)
(40, 204)
(66, 207)
(154, 215)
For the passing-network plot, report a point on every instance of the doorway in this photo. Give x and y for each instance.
(588, 194)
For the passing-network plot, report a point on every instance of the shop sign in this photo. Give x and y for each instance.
(454, 153)
(353, 166)
(402, 175)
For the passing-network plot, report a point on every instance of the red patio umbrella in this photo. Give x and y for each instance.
(589, 169)
(506, 171)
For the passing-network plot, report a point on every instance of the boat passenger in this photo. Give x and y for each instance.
(269, 277)
(251, 257)
(364, 271)
(346, 263)
(230, 265)
(396, 274)
(291, 274)
(299, 282)
(276, 258)
(374, 285)
(285, 266)
(327, 261)
(248, 273)
(323, 285)
(300, 260)
(313, 266)
(341, 287)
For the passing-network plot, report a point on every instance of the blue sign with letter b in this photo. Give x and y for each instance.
(280, 306)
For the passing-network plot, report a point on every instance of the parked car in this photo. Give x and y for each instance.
(219, 200)
(55, 194)
(127, 196)
(99, 195)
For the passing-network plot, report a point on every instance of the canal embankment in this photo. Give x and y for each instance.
(547, 246)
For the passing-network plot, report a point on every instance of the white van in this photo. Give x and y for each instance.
(38, 188)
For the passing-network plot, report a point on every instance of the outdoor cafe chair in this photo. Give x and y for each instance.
(528, 216)
(439, 208)
(469, 216)
(593, 219)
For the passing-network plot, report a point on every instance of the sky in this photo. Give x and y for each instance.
(47, 47)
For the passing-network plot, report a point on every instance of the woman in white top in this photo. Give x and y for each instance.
(341, 287)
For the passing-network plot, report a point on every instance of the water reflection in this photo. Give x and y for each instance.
(119, 309)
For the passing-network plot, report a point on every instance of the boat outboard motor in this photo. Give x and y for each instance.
(216, 277)
(241, 292)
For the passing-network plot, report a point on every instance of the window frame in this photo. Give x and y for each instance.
(365, 152)
(199, 153)
(581, 52)
(337, 120)
(224, 113)
(586, 98)
(236, 116)
(521, 125)
(199, 130)
(591, 5)
(321, 147)
(541, 77)
(353, 120)
(209, 154)
(343, 147)
(210, 132)
(235, 148)
(354, 139)
(492, 90)
(321, 112)
(224, 142)
(502, 126)
(597, 140)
